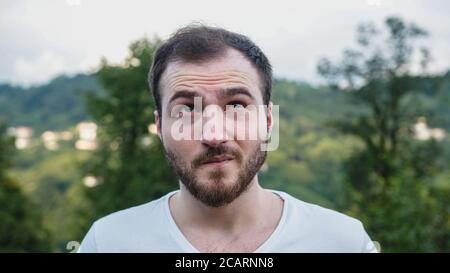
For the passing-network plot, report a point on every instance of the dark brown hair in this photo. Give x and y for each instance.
(197, 43)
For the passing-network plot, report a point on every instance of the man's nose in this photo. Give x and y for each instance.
(213, 136)
(213, 131)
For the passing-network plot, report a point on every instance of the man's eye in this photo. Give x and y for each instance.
(236, 105)
(182, 109)
(186, 108)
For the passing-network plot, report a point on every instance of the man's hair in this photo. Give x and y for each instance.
(198, 43)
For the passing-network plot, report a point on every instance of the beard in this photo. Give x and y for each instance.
(215, 192)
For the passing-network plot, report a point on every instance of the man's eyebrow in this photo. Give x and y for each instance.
(225, 93)
(229, 92)
(184, 94)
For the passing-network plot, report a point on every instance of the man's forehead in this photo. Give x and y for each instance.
(231, 67)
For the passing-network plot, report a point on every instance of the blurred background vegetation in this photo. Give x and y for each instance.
(372, 143)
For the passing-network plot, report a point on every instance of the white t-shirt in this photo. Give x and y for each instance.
(303, 227)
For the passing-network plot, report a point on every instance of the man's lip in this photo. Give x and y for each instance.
(218, 159)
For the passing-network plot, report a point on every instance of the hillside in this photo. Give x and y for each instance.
(53, 106)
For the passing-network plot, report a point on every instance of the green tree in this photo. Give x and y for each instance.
(128, 163)
(21, 227)
(390, 180)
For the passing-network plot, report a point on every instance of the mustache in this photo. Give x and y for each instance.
(213, 151)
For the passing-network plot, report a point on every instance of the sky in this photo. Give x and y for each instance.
(43, 39)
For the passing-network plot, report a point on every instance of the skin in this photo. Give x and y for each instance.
(248, 221)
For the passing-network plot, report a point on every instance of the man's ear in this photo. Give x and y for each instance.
(158, 123)
(269, 118)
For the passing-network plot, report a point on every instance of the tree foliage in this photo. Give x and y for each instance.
(21, 227)
(390, 180)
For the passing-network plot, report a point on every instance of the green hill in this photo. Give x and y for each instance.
(53, 106)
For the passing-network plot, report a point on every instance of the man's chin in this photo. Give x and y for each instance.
(221, 184)
(215, 193)
(216, 197)
(217, 178)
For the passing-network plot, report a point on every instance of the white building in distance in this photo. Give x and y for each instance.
(87, 132)
(52, 139)
(23, 135)
(423, 132)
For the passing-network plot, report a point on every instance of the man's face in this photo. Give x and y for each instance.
(218, 167)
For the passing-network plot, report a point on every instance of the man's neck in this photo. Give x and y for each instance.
(253, 207)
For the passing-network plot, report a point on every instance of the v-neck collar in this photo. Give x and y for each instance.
(184, 243)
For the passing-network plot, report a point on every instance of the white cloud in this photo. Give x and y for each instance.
(38, 70)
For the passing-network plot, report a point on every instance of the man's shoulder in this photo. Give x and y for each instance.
(322, 214)
(320, 225)
(135, 229)
(132, 217)
(314, 212)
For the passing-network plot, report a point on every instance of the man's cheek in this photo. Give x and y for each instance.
(183, 148)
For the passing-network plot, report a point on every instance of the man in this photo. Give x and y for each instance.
(220, 206)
